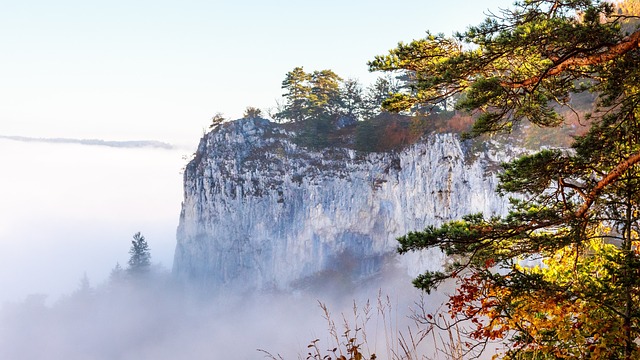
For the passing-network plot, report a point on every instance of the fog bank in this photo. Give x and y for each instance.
(154, 318)
(71, 209)
(68, 209)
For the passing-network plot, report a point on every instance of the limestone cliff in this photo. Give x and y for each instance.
(260, 212)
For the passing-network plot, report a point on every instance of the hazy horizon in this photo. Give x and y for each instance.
(68, 209)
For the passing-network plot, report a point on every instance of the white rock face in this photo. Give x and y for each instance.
(259, 212)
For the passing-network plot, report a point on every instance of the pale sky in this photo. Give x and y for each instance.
(158, 69)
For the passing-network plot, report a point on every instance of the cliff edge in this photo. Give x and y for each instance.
(262, 213)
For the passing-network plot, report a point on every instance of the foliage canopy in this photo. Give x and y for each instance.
(578, 209)
(324, 94)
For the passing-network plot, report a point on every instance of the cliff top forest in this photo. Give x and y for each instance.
(328, 111)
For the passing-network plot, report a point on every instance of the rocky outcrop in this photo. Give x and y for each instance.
(260, 212)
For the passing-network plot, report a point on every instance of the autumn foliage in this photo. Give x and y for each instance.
(558, 276)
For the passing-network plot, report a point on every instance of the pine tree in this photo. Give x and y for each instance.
(296, 107)
(140, 255)
(310, 95)
(252, 112)
(524, 65)
(325, 99)
(352, 99)
(117, 274)
(216, 120)
(377, 93)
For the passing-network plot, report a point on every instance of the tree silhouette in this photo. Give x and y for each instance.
(140, 259)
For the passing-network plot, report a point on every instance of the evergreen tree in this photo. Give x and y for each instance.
(297, 104)
(140, 255)
(84, 287)
(523, 65)
(310, 96)
(216, 120)
(377, 93)
(325, 99)
(117, 273)
(352, 96)
(252, 112)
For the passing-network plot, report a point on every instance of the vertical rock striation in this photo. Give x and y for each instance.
(260, 212)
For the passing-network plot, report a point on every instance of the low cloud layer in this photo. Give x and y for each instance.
(70, 209)
(94, 142)
(154, 318)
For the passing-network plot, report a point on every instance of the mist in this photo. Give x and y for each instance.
(154, 318)
(67, 217)
(71, 209)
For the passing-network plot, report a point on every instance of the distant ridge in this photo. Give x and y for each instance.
(95, 142)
